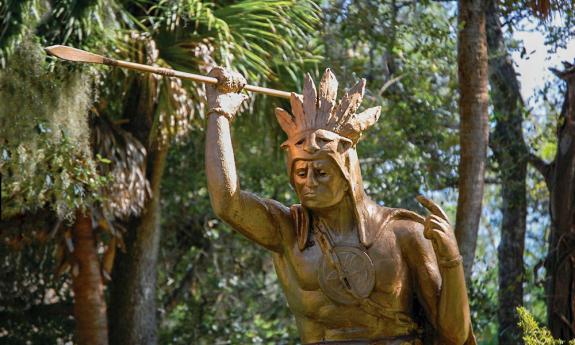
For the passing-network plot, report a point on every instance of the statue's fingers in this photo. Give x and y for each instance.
(437, 237)
(439, 221)
(216, 72)
(427, 228)
(228, 81)
(427, 233)
(437, 224)
(432, 207)
(238, 80)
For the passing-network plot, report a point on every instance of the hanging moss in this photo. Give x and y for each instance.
(45, 159)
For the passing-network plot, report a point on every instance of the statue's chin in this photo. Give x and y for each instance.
(316, 204)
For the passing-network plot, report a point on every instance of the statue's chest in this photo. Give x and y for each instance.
(378, 268)
(304, 265)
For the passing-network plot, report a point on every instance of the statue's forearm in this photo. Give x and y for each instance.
(453, 314)
(223, 184)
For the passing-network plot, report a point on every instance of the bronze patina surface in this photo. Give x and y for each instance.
(353, 272)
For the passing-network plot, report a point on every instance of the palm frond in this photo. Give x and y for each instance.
(123, 158)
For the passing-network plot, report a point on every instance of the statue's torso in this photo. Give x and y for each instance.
(319, 317)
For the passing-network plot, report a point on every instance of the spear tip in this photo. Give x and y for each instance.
(73, 54)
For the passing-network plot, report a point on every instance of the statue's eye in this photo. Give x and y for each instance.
(300, 173)
(322, 172)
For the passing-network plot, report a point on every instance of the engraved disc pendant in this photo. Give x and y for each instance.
(360, 273)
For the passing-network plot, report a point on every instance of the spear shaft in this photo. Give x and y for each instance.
(78, 55)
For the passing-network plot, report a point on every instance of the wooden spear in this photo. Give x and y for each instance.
(78, 55)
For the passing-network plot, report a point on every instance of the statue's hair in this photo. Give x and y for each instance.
(318, 110)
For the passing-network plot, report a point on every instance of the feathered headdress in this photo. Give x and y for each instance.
(319, 111)
(320, 126)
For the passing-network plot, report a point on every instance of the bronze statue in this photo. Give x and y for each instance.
(353, 272)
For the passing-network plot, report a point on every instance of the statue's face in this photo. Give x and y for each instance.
(319, 183)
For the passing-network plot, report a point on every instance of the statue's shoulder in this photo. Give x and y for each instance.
(404, 224)
(379, 222)
(407, 229)
(392, 218)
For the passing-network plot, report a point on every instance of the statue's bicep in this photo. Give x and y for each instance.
(259, 219)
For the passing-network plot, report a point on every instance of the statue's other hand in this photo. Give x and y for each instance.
(225, 97)
(439, 231)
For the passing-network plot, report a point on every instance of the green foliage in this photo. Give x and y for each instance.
(33, 299)
(73, 22)
(234, 296)
(483, 303)
(246, 34)
(409, 60)
(533, 333)
(13, 20)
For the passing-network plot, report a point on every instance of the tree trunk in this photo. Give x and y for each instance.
(89, 302)
(133, 296)
(133, 289)
(511, 156)
(474, 130)
(560, 177)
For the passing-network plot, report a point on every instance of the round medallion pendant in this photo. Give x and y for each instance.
(360, 273)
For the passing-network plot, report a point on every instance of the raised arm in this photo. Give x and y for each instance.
(261, 220)
(433, 254)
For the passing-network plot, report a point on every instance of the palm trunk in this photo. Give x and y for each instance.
(511, 156)
(133, 290)
(474, 132)
(133, 294)
(89, 302)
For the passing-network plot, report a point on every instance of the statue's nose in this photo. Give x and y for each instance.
(310, 146)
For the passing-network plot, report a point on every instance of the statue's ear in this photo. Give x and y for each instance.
(343, 145)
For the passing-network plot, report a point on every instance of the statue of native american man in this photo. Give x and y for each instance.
(353, 272)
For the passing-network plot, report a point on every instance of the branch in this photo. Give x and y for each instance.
(180, 291)
(389, 83)
(454, 182)
(543, 168)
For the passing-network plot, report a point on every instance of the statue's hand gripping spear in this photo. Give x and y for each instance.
(78, 55)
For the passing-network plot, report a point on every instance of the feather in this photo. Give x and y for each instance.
(359, 123)
(348, 105)
(309, 101)
(296, 102)
(286, 121)
(327, 95)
